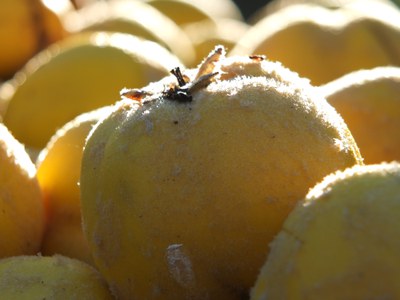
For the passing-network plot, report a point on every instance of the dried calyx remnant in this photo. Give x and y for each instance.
(182, 90)
(184, 87)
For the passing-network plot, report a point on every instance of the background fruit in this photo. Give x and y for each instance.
(21, 203)
(58, 173)
(323, 44)
(340, 242)
(275, 5)
(56, 277)
(78, 75)
(175, 193)
(26, 28)
(369, 102)
(220, 8)
(182, 12)
(133, 17)
(206, 34)
(6, 90)
(78, 4)
(60, 7)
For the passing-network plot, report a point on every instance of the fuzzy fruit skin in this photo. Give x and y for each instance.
(22, 218)
(369, 102)
(57, 277)
(175, 195)
(64, 81)
(340, 241)
(58, 172)
(328, 43)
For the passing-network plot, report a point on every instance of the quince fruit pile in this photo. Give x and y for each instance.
(176, 149)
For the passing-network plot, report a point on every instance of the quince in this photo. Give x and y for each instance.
(57, 277)
(187, 180)
(323, 44)
(369, 102)
(340, 241)
(77, 75)
(22, 220)
(26, 28)
(58, 171)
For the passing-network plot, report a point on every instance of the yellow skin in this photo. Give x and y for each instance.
(58, 172)
(6, 90)
(21, 204)
(276, 5)
(176, 195)
(56, 278)
(206, 34)
(133, 17)
(219, 8)
(369, 102)
(26, 28)
(323, 44)
(340, 242)
(182, 12)
(87, 73)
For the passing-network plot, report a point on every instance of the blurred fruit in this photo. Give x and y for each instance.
(276, 5)
(77, 75)
(26, 28)
(225, 9)
(369, 102)
(60, 7)
(179, 185)
(21, 203)
(182, 12)
(323, 44)
(340, 242)
(78, 4)
(206, 34)
(6, 90)
(56, 278)
(58, 172)
(134, 17)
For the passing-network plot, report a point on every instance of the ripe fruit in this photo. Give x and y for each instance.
(180, 183)
(78, 4)
(275, 5)
(58, 172)
(6, 90)
(56, 277)
(206, 34)
(133, 17)
(340, 242)
(78, 75)
(323, 44)
(26, 28)
(369, 102)
(182, 12)
(220, 8)
(21, 203)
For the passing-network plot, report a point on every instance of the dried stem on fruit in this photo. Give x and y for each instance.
(184, 88)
